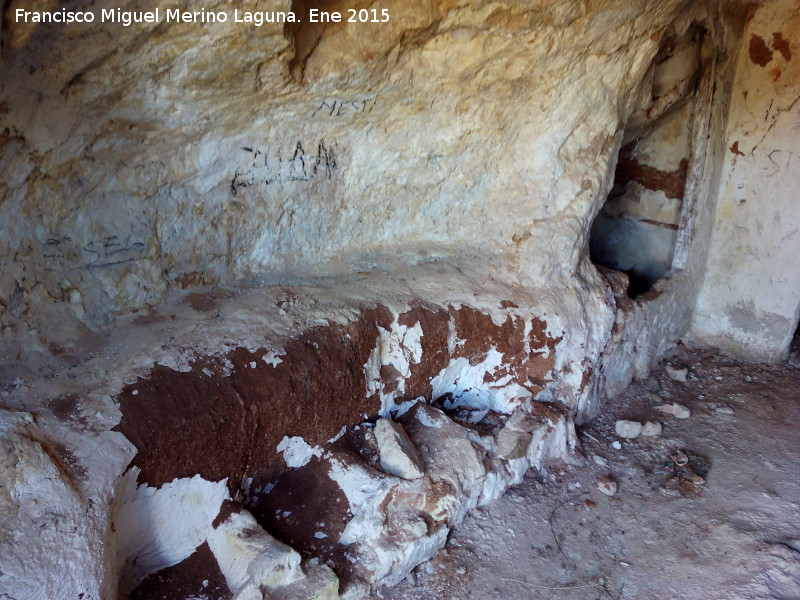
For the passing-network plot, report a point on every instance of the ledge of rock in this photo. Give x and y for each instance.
(249, 441)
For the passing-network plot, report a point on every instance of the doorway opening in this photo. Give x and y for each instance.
(637, 228)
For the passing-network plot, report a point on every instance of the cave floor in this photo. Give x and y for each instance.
(737, 536)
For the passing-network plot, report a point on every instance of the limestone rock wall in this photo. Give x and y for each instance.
(389, 219)
(750, 301)
(138, 161)
(230, 397)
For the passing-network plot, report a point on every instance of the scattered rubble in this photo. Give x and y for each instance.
(628, 429)
(652, 429)
(679, 411)
(677, 537)
(251, 560)
(686, 471)
(679, 375)
(320, 583)
(374, 521)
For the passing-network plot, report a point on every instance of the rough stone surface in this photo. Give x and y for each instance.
(679, 411)
(250, 559)
(398, 456)
(320, 583)
(251, 239)
(283, 152)
(652, 429)
(677, 374)
(628, 429)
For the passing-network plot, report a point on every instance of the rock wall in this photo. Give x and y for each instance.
(227, 249)
(264, 399)
(154, 158)
(750, 301)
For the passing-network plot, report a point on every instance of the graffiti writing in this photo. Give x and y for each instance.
(332, 107)
(287, 165)
(62, 251)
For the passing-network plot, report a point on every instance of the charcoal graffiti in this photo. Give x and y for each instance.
(290, 164)
(333, 107)
(62, 252)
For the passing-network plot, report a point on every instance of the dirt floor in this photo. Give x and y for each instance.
(666, 533)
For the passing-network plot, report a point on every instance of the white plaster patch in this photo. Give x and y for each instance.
(271, 358)
(400, 346)
(340, 433)
(453, 341)
(403, 407)
(466, 383)
(398, 456)
(364, 492)
(159, 527)
(177, 360)
(296, 452)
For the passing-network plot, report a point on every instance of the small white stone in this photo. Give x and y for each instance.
(607, 486)
(677, 374)
(616, 445)
(676, 410)
(652, 429)
(600, 460)
(628, 429)
(680, 411)
(724, 410)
